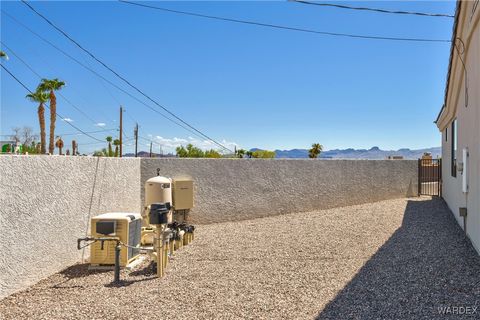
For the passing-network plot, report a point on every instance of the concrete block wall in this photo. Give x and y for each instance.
(45, 205)
(238, 189)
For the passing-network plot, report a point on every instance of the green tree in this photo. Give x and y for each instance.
(194, 152)
(249, 154)
(190, 151)
(263, 154)
(315, 151)
(33, 148)
(181, 152)
(3, 55)
(50, 86)
(100, 153)
(116, 143)
(240, 153)
(110, 152)
(212, 154)
(40, 98)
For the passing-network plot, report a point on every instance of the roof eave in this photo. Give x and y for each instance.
(454, 35)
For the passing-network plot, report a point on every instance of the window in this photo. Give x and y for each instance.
(454, 148)
(446, 134)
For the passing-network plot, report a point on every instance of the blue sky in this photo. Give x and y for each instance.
(242, 84)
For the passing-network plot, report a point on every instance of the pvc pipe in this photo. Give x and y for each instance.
(165, 255)
(116, 277)
(159, 244)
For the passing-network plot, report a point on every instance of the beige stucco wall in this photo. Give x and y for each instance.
(468, 124)
(237, 189)
(46, 203)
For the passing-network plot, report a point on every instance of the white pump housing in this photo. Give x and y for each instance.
(158, 190)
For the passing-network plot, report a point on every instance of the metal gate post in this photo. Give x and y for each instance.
(419, 177)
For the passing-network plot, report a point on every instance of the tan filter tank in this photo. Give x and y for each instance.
(158, 190)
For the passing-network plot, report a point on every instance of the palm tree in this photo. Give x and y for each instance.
(59, 145)
(109, 140)
(116, 143)
(40, 97)
(74, 147)
(3, 55)
(50, 86)
(315, 151)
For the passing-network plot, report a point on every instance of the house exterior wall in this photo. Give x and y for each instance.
(467, 113)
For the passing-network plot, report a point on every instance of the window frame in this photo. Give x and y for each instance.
(454, 147)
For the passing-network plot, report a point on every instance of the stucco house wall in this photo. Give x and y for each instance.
(467, 113)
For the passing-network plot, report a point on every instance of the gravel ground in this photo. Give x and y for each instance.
(393, 259)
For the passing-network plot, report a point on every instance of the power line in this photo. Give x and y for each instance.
(92, 143)
(97, 131)
(58, 115)
(150, 140)
(121, 77)
(97, 74)
(276, 26)
(130, 117)
(40, 77)
(47, 63)
(375, 9)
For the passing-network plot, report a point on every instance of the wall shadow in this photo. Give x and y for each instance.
(426, 265)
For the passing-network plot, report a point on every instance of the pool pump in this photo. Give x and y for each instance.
(156, 230)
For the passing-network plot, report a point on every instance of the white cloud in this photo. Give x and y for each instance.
(101, 124)
(67, 120)
(171, 143)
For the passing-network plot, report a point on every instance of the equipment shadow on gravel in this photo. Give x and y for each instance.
(74, 272)
(426, 266)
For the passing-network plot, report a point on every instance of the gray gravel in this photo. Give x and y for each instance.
(387, 260)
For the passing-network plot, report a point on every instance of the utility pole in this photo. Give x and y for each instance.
(135, 134)
(121, 130)
(150, 149)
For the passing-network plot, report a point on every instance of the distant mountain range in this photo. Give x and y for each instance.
(372, 153)
(145, 154)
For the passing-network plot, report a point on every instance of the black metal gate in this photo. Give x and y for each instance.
(430, 177)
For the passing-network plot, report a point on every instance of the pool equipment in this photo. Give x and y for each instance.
(158, 217)
(126, 227)
(117, 237)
